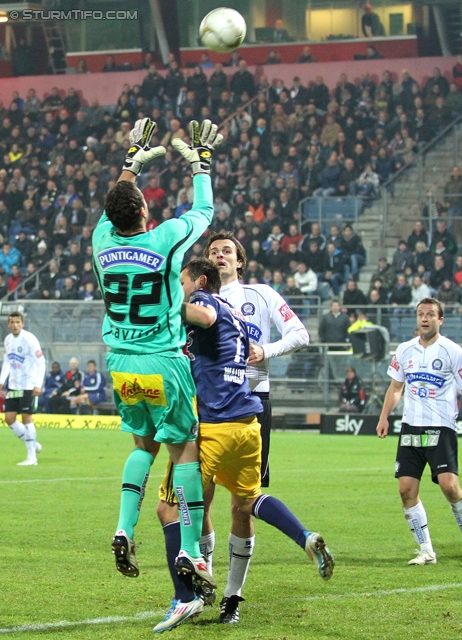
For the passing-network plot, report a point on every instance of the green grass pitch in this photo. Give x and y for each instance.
(59, 580)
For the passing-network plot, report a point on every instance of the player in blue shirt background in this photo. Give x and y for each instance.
(229, 437)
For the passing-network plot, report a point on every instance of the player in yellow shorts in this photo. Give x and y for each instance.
(229, 442)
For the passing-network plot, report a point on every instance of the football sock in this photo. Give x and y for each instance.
(18, 429)
(187, 484)
(457, 511)
(181, 583)
(240, 553)
(275, 513)
(207, 545)
(417, 520)
(29, 439)
(135, 477)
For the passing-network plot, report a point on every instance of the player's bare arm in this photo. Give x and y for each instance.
(392, 398)
(198, 315)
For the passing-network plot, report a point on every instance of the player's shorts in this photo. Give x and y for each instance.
(230, 455)
(418, 446)
(95, 397)
(155, 395)
(264, 419)
(20, 401)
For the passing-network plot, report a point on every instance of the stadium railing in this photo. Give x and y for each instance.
(419, 162)
(329, 210)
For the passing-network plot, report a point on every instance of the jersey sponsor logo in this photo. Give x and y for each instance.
(116, 256)
(133, 388)
(349, 425)
(437, 364)
(232, 374)
(422, 376)
(16, 358)
(394, 364)
(254, 332)
(248, 309)
(286, 312)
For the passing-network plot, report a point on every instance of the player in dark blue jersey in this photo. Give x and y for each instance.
(229, 438)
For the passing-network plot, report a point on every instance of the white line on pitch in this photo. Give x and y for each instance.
(145, 615)
(40, 480)
(331, 471)
(152, 614)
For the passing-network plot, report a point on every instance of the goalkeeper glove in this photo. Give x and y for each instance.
(203, 142)
(140, 151)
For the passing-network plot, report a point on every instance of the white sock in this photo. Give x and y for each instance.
(207, 545)
(18, 429)
(240, 553)
(457, 511)
(29, 438)
(417, 521)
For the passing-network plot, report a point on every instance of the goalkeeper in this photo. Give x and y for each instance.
(139, 276)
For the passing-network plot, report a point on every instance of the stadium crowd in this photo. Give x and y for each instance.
(60, 157)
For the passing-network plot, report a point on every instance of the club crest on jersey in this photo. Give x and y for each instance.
(116, 256)
(254, 332)
(437, 364)
(248, 309)
(394, 363)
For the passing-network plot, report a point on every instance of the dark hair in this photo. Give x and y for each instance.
(205, 267)
(16, 314)
(92, 362)
(240, 251)
(123, 204)
(434, 302)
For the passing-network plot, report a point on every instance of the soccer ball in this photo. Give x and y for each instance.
(223, 30)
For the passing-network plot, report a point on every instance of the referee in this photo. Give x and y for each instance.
(24, 366)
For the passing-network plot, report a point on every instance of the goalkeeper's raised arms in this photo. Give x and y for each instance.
(140, 152)
(203, 143)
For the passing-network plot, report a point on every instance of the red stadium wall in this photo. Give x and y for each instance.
(107, 87)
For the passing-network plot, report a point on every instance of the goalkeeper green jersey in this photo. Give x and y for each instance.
(139, 278)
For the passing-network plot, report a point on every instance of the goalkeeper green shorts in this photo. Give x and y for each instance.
(155, 395)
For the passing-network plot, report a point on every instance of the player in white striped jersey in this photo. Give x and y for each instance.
(429, 368)
(24, 368)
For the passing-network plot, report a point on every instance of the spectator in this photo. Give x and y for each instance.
(401, 294)
(353, 250)
(273, 57)
(386, 273)
(242, 81)
(82, 66)
(402, 258)
(110, 64)
(419, 291)
(449, 293)
(59, 399)
(92, 391)
(448, 239)
(329, 178)
(279, 33)
(68, 291)
(352, 393)
(453, 196)
(9, 257)
(439, 274)
(307, 281)
(370, 23)
(53, 382)
(291, 293)
(333, 326)
(418, 234)
(368, 184)
(353, 298)
(307, 56)
(334, 268)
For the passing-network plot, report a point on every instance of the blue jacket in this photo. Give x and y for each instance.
(6, 262)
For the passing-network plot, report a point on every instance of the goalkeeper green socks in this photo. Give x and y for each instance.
(135, 477)
(187, 483)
